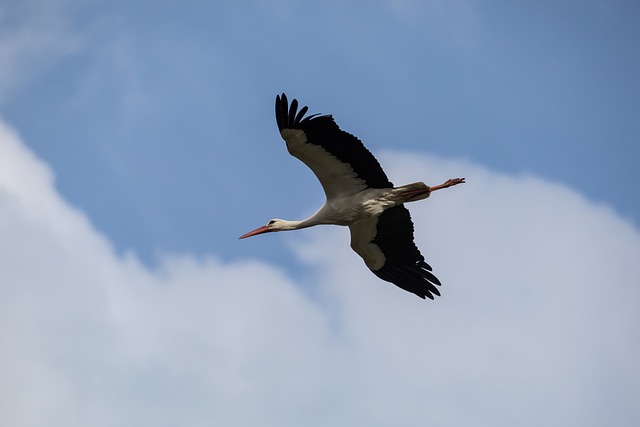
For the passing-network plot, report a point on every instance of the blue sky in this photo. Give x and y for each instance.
(138, 141)
(155, 114)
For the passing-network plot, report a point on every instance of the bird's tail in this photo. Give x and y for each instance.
(413, 192)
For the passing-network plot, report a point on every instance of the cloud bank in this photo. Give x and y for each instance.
(538, 323)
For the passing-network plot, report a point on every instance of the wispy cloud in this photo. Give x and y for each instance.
(537, 324)
(33, 36)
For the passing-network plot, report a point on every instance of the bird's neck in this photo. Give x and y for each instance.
(293, 225)
(297, 225)
(320, 217)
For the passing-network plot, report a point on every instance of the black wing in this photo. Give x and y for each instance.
(339, 160)
(386, 245)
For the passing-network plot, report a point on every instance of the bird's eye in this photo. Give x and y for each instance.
(273, 221)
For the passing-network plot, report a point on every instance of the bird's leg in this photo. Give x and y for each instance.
(447, 183)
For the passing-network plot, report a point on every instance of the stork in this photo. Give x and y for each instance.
(358, 195)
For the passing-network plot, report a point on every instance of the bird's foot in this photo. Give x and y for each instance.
(448, 183)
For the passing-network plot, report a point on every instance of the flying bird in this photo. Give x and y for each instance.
(358, 195)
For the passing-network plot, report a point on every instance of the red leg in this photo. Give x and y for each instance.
(447, 183)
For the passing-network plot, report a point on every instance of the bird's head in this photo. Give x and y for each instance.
(273, 225)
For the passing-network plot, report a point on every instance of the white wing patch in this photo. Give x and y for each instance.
(336, 177)
(362, 234)
(293, 137)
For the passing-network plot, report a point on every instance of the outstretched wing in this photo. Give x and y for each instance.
(342, 164)
(386, 245)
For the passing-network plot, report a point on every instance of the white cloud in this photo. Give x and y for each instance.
(537, 324)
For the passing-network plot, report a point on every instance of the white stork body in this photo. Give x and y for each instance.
(358, 195)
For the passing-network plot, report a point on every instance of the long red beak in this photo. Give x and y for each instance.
(259, 230)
